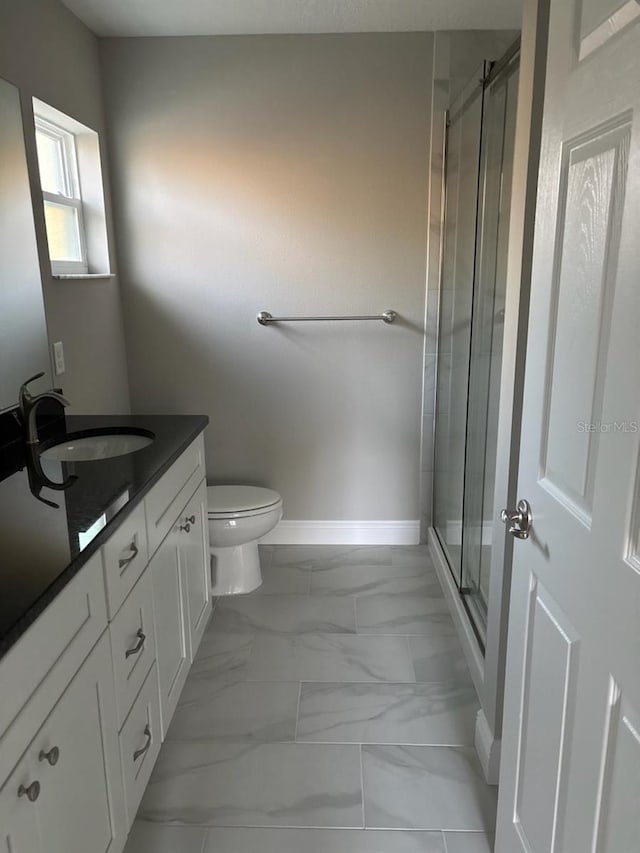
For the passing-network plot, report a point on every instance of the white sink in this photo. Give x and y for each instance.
(85, 448)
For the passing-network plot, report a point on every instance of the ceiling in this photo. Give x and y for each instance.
(226, 17)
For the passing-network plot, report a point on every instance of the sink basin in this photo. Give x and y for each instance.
(88, 446)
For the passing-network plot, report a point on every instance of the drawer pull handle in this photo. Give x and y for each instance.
(51, 756)
(138, 646)
(31, 792)
(186, 527)
(140, 752)
(191, 519)
(123, 562)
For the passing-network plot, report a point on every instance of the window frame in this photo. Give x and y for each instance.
(71, 197)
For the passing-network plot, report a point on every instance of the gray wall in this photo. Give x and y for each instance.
(285, 173)
(46, 52)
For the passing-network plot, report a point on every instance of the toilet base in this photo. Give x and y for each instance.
(235, 570)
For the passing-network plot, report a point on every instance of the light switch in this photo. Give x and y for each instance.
(58, 357)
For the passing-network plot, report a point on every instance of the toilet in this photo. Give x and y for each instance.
(238, 517)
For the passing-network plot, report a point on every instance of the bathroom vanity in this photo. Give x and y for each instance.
(103, 603)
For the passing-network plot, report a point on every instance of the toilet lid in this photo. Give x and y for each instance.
(221, 499)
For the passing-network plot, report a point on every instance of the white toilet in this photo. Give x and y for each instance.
(238, 517)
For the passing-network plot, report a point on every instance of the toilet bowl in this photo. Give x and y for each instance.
(238, 517)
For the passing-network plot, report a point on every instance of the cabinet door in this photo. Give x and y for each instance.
(170, 618)
(81, 802)
(194, 551)
(19, 827)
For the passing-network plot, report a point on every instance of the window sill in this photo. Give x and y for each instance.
(80, 275)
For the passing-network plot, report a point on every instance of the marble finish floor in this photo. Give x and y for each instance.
(330, 711)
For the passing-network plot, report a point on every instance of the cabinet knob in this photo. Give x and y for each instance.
(31, 792)
(186, 527)
(191, 519)
(51, 756)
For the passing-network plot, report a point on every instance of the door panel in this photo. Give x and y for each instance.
(81, 805)
(551, 645)
(600, 20)
(617, 820)
(170, 617)
(19, 826)
(195, 556)
(591, 196)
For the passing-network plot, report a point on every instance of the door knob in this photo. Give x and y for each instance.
(31, 792)
(51, 756)
(518, 520)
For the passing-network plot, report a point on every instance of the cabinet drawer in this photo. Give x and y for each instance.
(47, 656)
(168, 497)
(140, 743)
(125, 556)
(133, 644)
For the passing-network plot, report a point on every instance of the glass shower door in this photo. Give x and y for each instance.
(479, 160)
(487, 329)
(456, 306)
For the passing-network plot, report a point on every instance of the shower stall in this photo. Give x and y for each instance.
(470, 442)
(479, 160)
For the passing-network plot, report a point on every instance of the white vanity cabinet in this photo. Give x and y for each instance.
(88, 691)
(181, 591)
(66, 792)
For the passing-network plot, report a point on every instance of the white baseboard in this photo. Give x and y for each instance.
(488, 749)
(344, 533)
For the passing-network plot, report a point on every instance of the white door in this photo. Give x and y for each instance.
(195, 556)
(81, 802)
(570, 771)
(171, 626)
(19, 827)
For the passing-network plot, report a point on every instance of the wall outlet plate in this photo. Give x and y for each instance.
(58, 358)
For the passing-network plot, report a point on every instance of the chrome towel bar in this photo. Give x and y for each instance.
(265, 319)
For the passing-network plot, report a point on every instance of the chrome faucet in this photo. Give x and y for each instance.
(28, 405)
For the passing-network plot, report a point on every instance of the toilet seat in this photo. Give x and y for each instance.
(240, 501)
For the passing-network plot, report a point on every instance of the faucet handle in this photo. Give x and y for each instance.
(23, 388)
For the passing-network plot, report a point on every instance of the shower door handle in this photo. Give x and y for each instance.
(518, 520)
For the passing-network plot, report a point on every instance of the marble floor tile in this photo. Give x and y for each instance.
(403, 614)
(155, 838)
(439, 659)
(426, 787)
(417, 556)
(330, 657)
(326, 556)
(283, 580)
(388, 713)
(374, 580)
(283, 614)
(234, 840)
(221, 659)
(248, 711)
(468, 842)
(266, 784)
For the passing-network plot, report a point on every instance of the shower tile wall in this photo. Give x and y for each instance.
(456, 55)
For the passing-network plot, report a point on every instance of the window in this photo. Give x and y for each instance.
(58, 162)
(73, 194)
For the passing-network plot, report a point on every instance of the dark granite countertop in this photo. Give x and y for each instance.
(41, 547)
